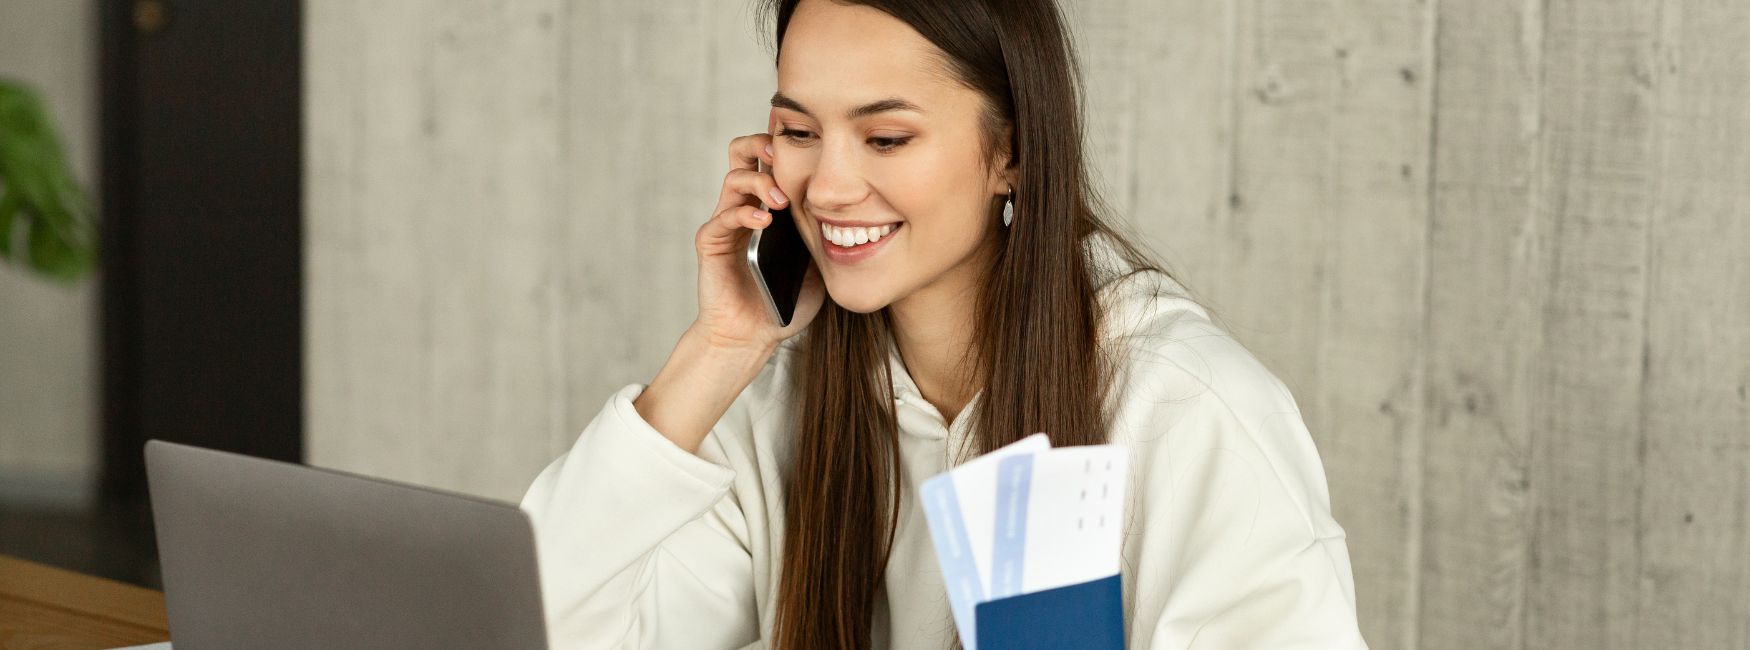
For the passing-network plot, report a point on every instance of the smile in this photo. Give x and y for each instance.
(852, 237)
(843, 245)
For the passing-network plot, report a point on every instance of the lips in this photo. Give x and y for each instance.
(845, 245)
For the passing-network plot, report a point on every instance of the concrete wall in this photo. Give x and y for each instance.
(1498, 250)
(49, 411)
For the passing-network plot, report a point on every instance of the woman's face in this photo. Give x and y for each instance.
(849, 158)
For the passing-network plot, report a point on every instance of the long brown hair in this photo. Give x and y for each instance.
(1037, 356)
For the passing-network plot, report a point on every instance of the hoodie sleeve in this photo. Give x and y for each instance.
(1232, 542)
(642, 544)
(1238, 551)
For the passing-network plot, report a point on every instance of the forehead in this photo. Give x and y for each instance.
(839, 55)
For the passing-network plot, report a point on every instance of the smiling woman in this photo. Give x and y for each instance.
(775, 468)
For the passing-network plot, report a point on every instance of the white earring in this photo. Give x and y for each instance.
(1009, 208)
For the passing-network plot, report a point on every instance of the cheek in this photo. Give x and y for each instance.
(942, 207)
(789, 175)
(946, 227)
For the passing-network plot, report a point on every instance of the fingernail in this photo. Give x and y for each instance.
(768, 150)
(778, 195)
(763, 215)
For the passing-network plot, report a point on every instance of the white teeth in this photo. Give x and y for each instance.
(849, 237)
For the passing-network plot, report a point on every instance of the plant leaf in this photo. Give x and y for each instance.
(8, 208)
(53, 256)
(38, 193)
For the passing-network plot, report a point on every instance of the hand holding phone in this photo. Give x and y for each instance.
(738, 296)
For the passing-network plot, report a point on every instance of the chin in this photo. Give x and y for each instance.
(862, 300)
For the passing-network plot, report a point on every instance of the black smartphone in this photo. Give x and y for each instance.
(779, 261)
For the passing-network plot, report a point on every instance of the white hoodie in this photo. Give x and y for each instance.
(1229, 540)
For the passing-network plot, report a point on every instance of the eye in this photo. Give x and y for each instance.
(883, 145)
(887, 145)
(794, 134)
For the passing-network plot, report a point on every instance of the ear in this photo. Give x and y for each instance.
(1003, 174)
(1002, 183)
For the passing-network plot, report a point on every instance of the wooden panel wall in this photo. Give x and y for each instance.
(434, 292)
(1499, 249)
(502, 201)
(1693, 537)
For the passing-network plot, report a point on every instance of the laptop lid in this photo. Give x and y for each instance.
(259, 553)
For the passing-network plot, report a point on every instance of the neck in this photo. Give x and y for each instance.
(933, 328)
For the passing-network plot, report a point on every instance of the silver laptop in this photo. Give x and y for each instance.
(266, 554)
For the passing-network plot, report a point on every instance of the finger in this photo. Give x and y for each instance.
(727, 222)
(747, 151)
(724, 231)
(743, 185)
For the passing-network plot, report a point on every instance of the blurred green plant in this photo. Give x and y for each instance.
(46, 222)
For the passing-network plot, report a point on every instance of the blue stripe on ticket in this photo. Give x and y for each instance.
(1009, 545)
(953, 553)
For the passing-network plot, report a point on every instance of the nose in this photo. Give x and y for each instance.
(837, 182)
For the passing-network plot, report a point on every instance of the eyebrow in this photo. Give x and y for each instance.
(780, 100)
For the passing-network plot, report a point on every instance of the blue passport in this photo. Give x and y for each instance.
(1084, 616)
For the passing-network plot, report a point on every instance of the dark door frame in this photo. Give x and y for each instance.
(201, 192)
